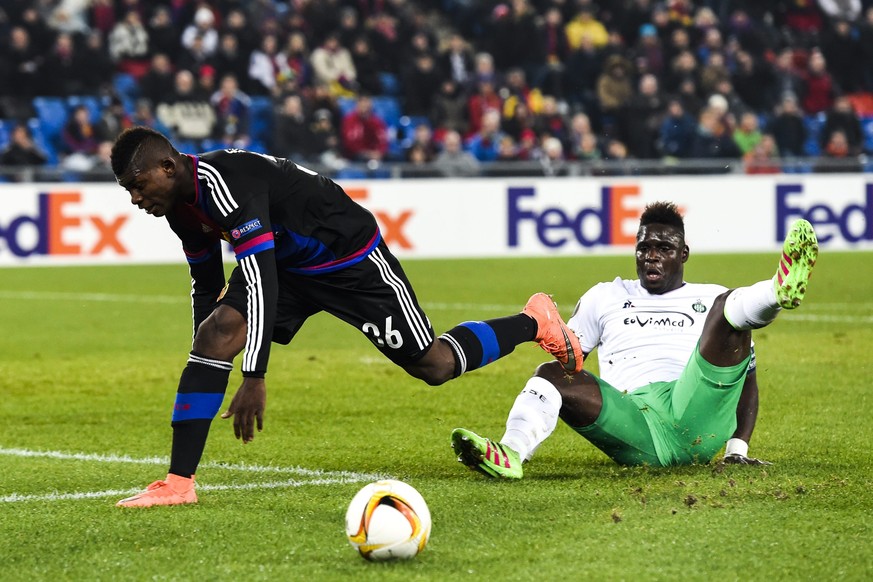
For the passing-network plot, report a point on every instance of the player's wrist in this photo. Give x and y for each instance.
(737, 446)
(253, 374)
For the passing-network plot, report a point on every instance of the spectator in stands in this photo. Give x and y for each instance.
(64, 69)
(552, 51)
(713, 73)
(453, 161)
(422, 142)
(645, 112)
(449, 112)
(194, 57)
(102, 16)
(456, 62)
(583, 67)
(421, 84)
(865, 40)
(25, 69)
(364, 135)
(231, 107)
(837, 156)
(97, 74)
(159, 81)
(202, 28)
(333, 66)
(551, 120)
(186, 111)
(164, 35)
(484, 99)
(648, 53)
(747, 134)
(588, 148)
(713, 139)
(787, 127)
(519, 120)
(113, 120)
(682, 68)
(551, 157)
(80, 140)
(229, 59)
(752, 80)
(509, 23)
(129, 44)
(507, 149)
(296, 59)
(763, 158)
(786, 79)
(843, 53)
(325, 141)
(584, 24)
(842, 117)
(237, 22)
(614, 91)
(144, 114)
(21, 149)
(367, 66)
(484, 144)
(818, 86)
(292, 135)
(266, 67)
(677, 131)
(841, 10)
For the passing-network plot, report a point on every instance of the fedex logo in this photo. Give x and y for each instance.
(589, 227)
(51, 230)
(851, 222)
(392, 227)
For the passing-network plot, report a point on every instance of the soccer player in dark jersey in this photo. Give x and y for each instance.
(302, 246)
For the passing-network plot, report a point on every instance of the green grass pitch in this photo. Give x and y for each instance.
(90, 358)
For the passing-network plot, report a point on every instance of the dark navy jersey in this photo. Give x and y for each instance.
(278, 216)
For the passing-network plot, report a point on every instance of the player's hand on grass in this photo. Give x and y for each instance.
(737, 459)
(247, 407)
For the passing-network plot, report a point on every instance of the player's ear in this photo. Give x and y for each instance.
(685, 252)
(168, 165)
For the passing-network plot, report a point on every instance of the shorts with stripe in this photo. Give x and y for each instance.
(372, 295)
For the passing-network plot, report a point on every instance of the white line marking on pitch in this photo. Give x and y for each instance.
(318, 476)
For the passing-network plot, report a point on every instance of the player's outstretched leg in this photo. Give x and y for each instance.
(174, 490)
(486, 456)
(553, 334)
(799, 252)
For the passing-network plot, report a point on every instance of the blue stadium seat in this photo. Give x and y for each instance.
(41, 140)
(388, 108)
(400, 138)
(390, 84)
(867, 127)
(813, 125)
(261, 119)
(126, 86)
(350, 174)
(52, 114)
(6, 126)
(346, 105)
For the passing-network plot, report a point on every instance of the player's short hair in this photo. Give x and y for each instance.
(663, 213)
(136, 143)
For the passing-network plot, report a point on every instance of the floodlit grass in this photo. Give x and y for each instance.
(90, 357)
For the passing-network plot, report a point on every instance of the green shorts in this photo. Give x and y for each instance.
(670, 423)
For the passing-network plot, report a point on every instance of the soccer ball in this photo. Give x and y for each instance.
(388, 520)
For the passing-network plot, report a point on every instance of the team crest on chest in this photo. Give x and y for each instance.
(699, 307)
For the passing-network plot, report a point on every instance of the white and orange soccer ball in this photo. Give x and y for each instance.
(388, 520)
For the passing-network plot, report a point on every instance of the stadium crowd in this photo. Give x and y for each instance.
(446, 86)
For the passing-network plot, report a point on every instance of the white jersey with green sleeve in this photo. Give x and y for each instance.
(640, 337)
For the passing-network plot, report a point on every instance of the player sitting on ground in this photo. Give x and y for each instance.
(302, 246)
(653, 404)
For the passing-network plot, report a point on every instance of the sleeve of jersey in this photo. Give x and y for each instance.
(255, 254)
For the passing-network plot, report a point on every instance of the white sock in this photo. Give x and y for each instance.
(533, 417)
(752, 307)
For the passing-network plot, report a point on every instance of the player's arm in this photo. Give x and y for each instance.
(255, 253)
(737, 448)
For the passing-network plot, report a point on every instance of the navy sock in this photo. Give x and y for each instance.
(478, 343)
(201, 390)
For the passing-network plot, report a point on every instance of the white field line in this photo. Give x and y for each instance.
(860, 309)
(310, 476)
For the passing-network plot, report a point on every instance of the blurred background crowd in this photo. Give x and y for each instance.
(444, 87)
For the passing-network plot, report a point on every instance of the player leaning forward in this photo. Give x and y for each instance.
(677, 376)
(302, 246)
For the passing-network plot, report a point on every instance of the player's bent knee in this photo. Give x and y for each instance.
(552, 371)
(222, 334)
